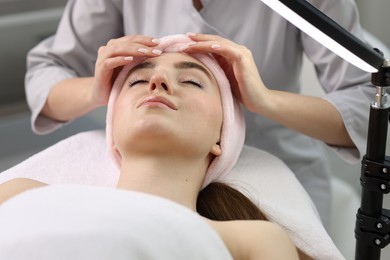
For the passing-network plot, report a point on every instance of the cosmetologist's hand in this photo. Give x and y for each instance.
(239, 65)
(117, 53)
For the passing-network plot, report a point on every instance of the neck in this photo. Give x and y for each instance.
(167, 176)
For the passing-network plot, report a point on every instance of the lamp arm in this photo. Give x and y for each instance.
(327, 32)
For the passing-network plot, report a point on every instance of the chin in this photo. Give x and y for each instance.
(154, 125)
(151, 133)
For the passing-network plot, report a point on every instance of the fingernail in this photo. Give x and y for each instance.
(155, 51)
(215, 46)
(143, 50)
(157, 41)
(191, 34)
(129, 58)
(182, 48)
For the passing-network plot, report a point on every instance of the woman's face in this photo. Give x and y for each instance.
(170, 101)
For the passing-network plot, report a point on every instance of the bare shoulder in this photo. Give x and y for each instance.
(16, 186)
(255, 239)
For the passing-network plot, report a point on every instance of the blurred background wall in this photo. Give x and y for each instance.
(23, 24)
(374, 15)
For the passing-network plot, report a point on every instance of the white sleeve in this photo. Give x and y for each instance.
(85, 26)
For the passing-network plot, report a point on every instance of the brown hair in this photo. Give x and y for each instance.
(219, 201)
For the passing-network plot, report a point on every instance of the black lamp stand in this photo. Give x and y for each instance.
(372, 229)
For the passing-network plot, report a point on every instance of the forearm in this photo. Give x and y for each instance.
(312, 116)
(70, 99)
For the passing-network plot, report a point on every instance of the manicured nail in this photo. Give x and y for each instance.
(191, 34)
(215, 46)
(155, 51)
(157, 41)
(129, 58)
(143, 50)
(182, 48)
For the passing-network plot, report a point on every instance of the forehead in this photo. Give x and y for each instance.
(171, 58)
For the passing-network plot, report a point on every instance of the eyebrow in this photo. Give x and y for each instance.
(178, 65)
(143, 65)
(191, 65)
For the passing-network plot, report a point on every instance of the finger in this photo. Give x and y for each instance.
(130, 39)
(205, 37)
(227, 51)
(199, 37)
(112, 63)
(134, 50)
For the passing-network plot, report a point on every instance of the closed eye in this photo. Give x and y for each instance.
(193, 82)
(137, 81)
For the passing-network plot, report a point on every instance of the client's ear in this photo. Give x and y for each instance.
(216, 150)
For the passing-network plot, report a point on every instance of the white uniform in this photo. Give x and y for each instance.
(277, 47)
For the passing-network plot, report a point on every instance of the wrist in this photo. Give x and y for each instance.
(94, 99)
(267, 105)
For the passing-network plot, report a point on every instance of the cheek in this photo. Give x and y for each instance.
(209, 114)
(117, 131)
(124, 106)
(214, 113)
(119, 110)
(120, 119)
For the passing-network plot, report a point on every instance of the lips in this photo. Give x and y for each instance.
(157, 101)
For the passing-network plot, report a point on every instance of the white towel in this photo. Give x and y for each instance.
(79, 222)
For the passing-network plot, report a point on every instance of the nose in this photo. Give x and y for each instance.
(160, 82)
